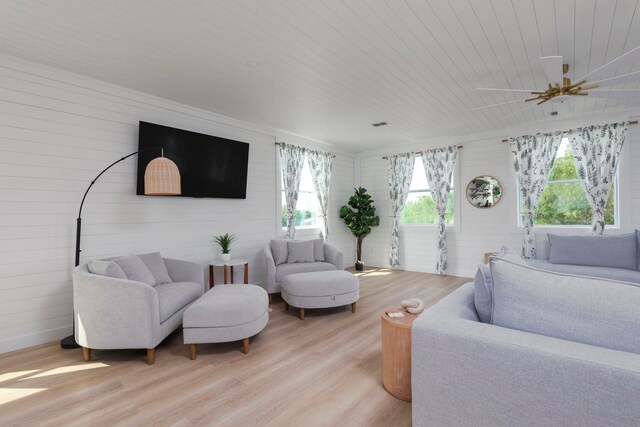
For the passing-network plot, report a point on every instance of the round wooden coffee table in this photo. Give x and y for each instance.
(396, 353)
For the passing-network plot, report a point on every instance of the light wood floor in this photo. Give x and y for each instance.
(323, 371)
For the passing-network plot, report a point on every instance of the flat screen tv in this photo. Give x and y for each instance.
(209, 166)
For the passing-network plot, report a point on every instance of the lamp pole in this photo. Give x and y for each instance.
(70, 341)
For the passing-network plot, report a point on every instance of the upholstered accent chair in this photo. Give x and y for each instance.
(132, 302)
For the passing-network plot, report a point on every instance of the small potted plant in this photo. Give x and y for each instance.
(224, 241)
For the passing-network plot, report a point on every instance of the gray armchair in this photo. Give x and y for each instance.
(272, 273)
(113, 313)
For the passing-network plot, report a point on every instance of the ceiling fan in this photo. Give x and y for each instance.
(561, 89)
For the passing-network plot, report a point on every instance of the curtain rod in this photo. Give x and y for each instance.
(631, 122)
(419, 152)
(332, 155)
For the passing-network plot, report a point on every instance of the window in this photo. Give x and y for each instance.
(563, 200)
(308, 206)
(420, 207)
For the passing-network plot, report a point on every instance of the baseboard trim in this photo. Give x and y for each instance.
(25, 341)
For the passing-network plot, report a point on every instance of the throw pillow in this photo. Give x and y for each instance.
(155, 263)
(279, 251)
(318, 250)
(598, 312)
(106, 268)
(614, 251)
(135, 269)
(301, 251)
(482, 293)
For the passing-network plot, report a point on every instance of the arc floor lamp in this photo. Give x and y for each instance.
(161, 178)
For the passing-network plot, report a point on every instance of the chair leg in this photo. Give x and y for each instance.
(151, 356)
(245, 346)
(193, 352)
(302, 314)
(270, 298)
(353, 307)
(86, 354)
(286, 306)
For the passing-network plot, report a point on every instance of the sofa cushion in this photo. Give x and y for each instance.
(155, 264)
(173, 296)
(318, 250)
(301, 251)
(279, 251)
(303, 267)
(620, 274)
(314, 284)
(587, 310)
(482, 293)
(136, 270)
(106, 268)
(616, 251)
(227, 306)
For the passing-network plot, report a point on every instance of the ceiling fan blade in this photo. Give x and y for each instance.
(516, 112)
(615, 94)
(496, 89)
(552, 66)
(618, 80)
(622, 61)
(496, 105)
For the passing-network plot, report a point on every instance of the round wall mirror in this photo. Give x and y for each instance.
(484, 191)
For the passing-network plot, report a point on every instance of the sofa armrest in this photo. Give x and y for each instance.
(184, 271)
(334, 255)
(114, 313)
(469, 373)
(268, 269)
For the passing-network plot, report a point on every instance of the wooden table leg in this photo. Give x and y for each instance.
(246, 274)
(211, 282)
(232, 274)
(225, 274)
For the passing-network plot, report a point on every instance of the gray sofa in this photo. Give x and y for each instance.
(113, 311)
(560, 350)
(278, 261)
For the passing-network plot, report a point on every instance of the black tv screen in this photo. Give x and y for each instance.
(209, 166)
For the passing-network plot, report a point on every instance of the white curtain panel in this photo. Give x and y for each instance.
(596, 152)
(533, 157)
(320, 165)
(438, 166)
(291, 163)
(400, 172)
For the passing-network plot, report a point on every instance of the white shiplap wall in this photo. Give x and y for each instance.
(57, 131)
(480, 230)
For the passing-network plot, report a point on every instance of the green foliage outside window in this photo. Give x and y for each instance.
(565, 203)
(423, 211)
(299, 217)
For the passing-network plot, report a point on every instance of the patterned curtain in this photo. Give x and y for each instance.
(533, 159)
(400, 172)
(291, 163)
(596, 152)
(320, 165)
(438, 165)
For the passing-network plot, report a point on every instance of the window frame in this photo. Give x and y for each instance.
(455, 227)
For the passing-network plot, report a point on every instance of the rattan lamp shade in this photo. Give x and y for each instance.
(162, 178)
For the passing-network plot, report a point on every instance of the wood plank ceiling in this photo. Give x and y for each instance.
(329, 69)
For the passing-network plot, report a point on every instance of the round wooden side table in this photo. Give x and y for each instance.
(224, 265)
(396, 352)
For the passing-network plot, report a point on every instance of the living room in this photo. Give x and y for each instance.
(77, 78)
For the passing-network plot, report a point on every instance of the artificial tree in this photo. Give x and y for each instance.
(360, 216)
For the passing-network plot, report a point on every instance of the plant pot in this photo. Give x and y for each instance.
(225, 257)
(359, 265)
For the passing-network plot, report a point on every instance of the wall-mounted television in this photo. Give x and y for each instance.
(209, 166)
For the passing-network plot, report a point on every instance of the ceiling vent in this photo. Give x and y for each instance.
(380, 124)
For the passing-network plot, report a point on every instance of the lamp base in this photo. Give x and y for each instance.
(69, 342)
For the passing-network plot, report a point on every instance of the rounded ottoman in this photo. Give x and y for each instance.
(321, 289)
(226, 313)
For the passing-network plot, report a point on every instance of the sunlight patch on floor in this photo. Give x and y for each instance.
(10, 394)
(381, 272)
(11, 375)
(68, 369)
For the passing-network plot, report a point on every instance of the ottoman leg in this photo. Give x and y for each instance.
(193, 352)
(151, 356)
(245, 346)
(286, 306)
(302, 314)
(353, 307)
(86, 354)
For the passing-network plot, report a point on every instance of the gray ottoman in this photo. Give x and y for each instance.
(226, 313)
(320, 289)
